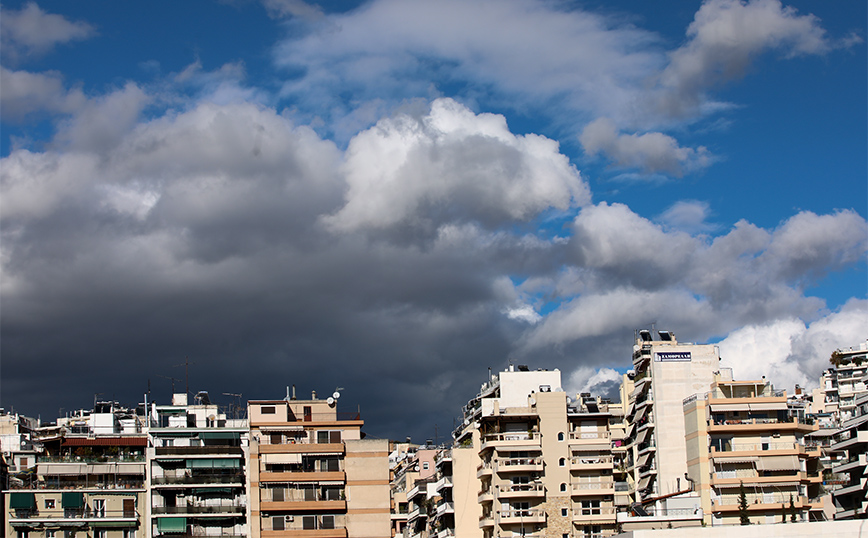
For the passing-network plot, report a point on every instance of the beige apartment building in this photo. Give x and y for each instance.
(742, 436)
(312, 474)
(544, 463)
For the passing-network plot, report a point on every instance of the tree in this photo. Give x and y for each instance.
(742, 505)
(793, 517)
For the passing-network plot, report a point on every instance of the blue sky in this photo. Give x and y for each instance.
(397, 195)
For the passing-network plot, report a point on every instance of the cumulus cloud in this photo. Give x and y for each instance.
(452, 164)
(688, 216)
(598, 382)
(723, 39)
(31, 31)
(650, 152)
(788, 351)
(26, 93)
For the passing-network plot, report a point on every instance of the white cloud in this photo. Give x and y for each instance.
(523, 312)
(32, 31)
(102, 121)
(596, 381)
(450, 165)
(26, 93)
(789, 352)
(650, 152)
(688, 216)
(723, 39)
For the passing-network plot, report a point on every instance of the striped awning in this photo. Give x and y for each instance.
(777, 406)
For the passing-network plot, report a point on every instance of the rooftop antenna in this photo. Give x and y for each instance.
(170, 378)
(186, 366)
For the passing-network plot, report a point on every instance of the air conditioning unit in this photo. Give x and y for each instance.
(288, 519)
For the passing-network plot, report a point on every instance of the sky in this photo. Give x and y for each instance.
(391, 197)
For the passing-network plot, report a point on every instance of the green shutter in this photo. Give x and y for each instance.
(200, 463)
(72, 499)
(172, 524)
(23, 501)
(227, 463)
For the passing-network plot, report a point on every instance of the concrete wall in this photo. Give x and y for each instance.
(367, 467)
(821, 529)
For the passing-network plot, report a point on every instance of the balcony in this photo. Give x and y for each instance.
(72, 517)
(198, 451)
(301, 448)
(236, 478)
(238, 509)
(759, 425)
(598, 437)
(519, 516)
(589, 463)
(485, 496)
(511, 441)
(518, 465)
(598, 514)
(330, 505)
(303, 476)
(443, 483)
(444, 508)
(484, 469)
(593, 488)
(513, 491)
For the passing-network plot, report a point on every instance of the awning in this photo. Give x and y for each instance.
(643, 484)
(23, 501)
(640, 413)
(101, 469)
(72, 499)
(134, 468)
(213, 463)
(778, 463)
(62, 469)
(105, 441)
(272, 459)
(778, 406)
(641, 436)
(742, 459)
(716, 407)
(200, 491)
(172, 524)
(281, 428)
(113, 523)
(219, 435)
(643, 460)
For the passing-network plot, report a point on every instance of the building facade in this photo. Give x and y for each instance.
(313, 475)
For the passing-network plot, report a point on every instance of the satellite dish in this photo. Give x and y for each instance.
(331, 401)
(532, 401)
(336, 395)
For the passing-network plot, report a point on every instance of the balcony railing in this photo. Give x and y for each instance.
(198, 450)
(201, 479)
(191, 509)
(584, 436)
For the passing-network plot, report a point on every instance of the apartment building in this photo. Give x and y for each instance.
(89, 479)
(743, 436)
(196, 470)
(312, 473)
(851, 442)
(545, 463)
(665, 372)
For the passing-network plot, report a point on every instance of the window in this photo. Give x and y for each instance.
(129, 533)
(275, 439)
(99, 533)
(564, 512)
(425, 465)
(560, 436)
(49, 504)
(267, 410)
(99, 509)
(168, 442)
(563, 487)
(50, 534)
(328, 522)
(308, 522)
(562, 462)
(278, 523)
(22, 534)
(22, 463)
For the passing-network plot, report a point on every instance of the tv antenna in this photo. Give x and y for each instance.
(186, 364)
(235, 406)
